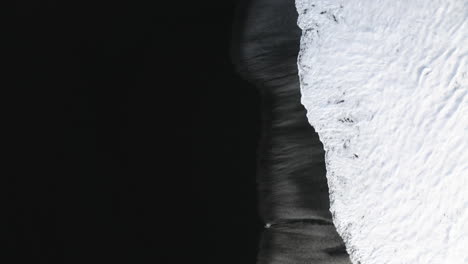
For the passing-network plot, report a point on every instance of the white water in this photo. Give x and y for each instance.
(384, 83)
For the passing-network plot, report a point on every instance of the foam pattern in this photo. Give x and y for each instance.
(384, 83)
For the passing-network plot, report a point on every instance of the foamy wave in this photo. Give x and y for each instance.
(384, 83)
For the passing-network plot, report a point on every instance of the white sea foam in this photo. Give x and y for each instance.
(385, 83)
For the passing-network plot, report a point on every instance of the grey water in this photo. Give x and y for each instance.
(292, 186)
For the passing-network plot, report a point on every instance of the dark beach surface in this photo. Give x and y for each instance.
(139, 139)
(164, 135)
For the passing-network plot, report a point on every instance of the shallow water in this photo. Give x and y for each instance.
(293, 192)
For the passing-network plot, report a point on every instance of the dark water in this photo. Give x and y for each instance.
(144, 140)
